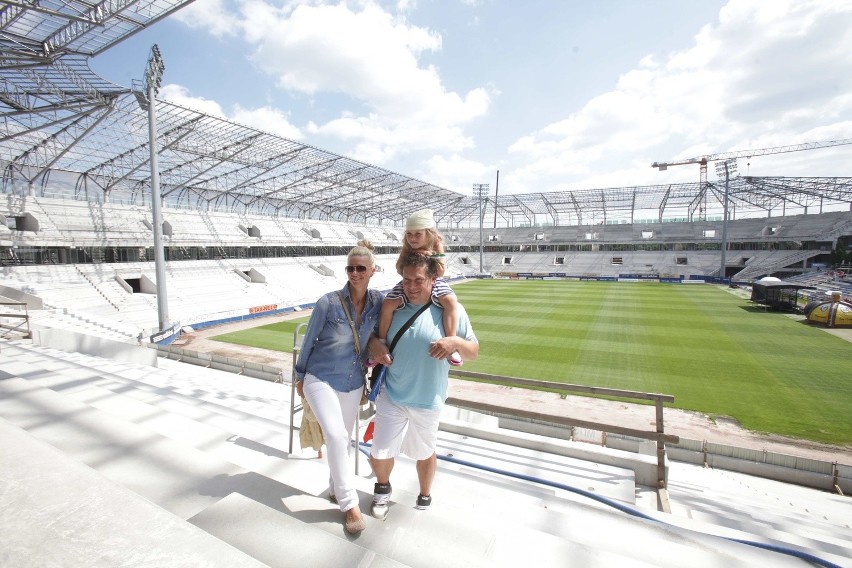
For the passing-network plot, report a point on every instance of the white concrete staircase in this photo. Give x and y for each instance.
(193, 448)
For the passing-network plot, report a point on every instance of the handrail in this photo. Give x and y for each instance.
(297, 346)
(518, 381)
(16, 328)
(658, 435)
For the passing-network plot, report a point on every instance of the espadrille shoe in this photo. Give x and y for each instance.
(354, 525)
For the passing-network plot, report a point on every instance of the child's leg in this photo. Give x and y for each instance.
(386, 316)
(385, 319)
(451, 314)
(451, 318)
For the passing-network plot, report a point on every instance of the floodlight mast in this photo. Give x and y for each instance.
(153, 78)
(480, 192)
(729, 168)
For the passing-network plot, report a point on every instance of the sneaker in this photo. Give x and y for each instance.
(381, 500)
(423, 502)
(455, 359)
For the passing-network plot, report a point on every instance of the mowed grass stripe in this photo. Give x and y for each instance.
(275, 336)
(700, 343)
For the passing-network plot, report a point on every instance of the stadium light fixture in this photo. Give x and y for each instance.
(146, 99)
(480, 192)
(726, 168)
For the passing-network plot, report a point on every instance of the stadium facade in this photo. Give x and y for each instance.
(136, 466)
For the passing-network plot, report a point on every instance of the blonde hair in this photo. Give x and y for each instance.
(434, 245)
(363, 248)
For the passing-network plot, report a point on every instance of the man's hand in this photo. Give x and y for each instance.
(444, 347)
(300, 390)
(379, 351)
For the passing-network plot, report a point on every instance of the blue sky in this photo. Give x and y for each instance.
(556, 95)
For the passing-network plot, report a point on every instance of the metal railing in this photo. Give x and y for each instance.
(657, 435)
(298, 337)
(295, 408)
(21, 328)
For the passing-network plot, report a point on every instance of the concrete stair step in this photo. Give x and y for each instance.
(772, 512)
(777, 506)
(605, 480)
(283, 540)
(238, 438)
(420, 539)
(164, 401)
(792, 533)
(161, 470)
(271, 408)
(55, 511)
(449, 535)
(272, 438)
(512, 522)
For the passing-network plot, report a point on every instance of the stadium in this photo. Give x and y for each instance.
(132, 439)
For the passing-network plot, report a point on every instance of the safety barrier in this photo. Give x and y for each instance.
(657, 435)
(9, 324)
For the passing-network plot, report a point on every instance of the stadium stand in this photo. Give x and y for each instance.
(205, 449)
(114, 457)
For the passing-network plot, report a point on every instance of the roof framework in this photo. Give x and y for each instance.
(64, 130)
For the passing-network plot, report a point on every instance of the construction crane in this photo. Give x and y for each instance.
(702, 161)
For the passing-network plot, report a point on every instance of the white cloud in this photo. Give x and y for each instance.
(210, 15)
(445, 171)
(370, 59)
(180, 95)
(767, 74)
(267, 119)
(764, 74)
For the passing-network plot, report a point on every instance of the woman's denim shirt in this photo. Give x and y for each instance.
(328, 349)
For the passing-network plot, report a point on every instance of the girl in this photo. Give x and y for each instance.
(421, 237)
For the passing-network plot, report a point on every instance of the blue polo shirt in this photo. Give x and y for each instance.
(415, 379)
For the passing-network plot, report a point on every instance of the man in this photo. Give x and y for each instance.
(409, 404)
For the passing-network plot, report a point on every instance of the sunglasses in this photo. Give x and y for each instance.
(351, 269)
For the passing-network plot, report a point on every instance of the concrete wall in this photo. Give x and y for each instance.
(33, 302)
(73, 342)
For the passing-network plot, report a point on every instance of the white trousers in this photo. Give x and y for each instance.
(336, 413)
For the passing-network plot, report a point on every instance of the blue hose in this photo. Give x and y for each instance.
(625, 509)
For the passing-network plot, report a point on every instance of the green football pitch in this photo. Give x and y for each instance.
(709, 348)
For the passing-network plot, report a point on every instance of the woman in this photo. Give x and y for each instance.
(330, 371)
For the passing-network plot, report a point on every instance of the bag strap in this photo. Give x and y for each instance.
(406, 325)
(377, 384)
(351, 323)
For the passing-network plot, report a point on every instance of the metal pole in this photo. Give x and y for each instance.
(146, 96)
(496, 189)
(480, 191)
(156, 208)
(481, 214)
(725, 222)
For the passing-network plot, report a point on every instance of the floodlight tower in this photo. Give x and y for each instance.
(480, 192)
(727, 168)
(146, 100)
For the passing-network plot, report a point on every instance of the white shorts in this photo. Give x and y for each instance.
(403, 429)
